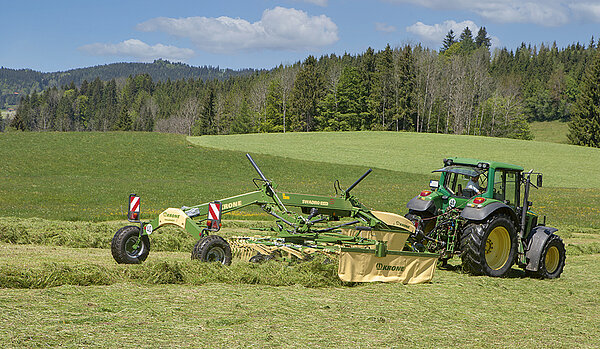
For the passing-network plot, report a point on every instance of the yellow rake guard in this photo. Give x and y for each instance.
(394, 264)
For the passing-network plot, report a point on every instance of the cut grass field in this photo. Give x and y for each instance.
(60, 287)
(155, 308)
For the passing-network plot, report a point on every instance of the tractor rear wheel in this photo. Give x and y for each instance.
(128, 248)
(552, 259)
(212, 248)
(489, 248)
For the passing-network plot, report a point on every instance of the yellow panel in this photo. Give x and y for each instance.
(365, 267)
(172, 216)
(395, 220)
(395, 240)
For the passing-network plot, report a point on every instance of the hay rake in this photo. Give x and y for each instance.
(371, 245)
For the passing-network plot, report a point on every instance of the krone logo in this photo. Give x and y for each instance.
(148, 229)
(232, 205)
(381, 266)
(452, 202)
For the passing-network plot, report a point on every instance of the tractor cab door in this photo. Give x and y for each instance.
(506, 187)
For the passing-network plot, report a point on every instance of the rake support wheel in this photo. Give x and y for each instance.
(125, 247)
(489, 248)
(212, 248)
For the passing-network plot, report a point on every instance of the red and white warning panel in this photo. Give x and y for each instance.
(134, 208)
(213, 222)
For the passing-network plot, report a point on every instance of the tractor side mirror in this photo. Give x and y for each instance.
(433, 184)
(539, 180)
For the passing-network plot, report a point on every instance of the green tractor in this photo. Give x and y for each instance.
(480, 210)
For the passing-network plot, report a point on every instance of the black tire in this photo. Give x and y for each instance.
(552, 259)
(260, 258)
(212, 248)
(427, 220)
(489, 248)
(122, 246)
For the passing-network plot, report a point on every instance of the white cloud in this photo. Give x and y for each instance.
(542, 12)
(322, 3)
(383, 27)
(278, 29)
(586, 10)
(434, 34)
(138, 49)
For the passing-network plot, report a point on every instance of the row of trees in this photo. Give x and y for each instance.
(459, 89)
(26, 81)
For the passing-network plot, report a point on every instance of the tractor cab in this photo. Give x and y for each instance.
(467, 182)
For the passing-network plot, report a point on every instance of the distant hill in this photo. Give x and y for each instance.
(17, 82)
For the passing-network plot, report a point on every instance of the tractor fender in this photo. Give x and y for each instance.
(539, 236)
(417, 204)
(480, 214)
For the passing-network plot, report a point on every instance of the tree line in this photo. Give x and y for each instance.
(27, 81)
(461, 89)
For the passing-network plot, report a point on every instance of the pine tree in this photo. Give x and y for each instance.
(308, 89)
(466, 41)
(449, 40)
(584, 128)
(482, 38)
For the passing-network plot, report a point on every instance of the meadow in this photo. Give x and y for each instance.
(550, 131)
(63, 195)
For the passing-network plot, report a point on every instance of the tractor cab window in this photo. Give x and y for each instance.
(457, 178)
(506, 187)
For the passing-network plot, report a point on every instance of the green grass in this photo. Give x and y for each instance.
(153, 305)
(563, 165)
(60, 287)
(87, 176)
(550, 131)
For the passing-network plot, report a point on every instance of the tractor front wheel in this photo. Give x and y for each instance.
(128, 248)
(489, 248)
(212, 248)
(552, 259)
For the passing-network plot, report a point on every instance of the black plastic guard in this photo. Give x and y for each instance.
(479, 214)
(539, 236)
(416, 204)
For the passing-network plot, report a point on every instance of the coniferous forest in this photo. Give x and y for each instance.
(462, 88)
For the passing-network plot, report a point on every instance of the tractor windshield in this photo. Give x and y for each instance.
(456, 180)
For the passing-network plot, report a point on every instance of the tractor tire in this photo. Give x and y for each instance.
(212, 248)
(552, 259)
(489, 248)
(428, 222)
(122, 246)
(260, 258)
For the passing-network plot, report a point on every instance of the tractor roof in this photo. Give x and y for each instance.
(492, 164)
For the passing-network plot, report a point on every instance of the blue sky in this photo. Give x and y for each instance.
(61, 35)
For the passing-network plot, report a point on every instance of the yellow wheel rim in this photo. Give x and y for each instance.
(552, 259)
(497, 248)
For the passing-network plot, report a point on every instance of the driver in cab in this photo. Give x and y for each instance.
(473, 184)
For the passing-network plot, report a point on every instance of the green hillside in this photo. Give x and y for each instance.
(563, 165)
(87, 176)
(550, 131)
